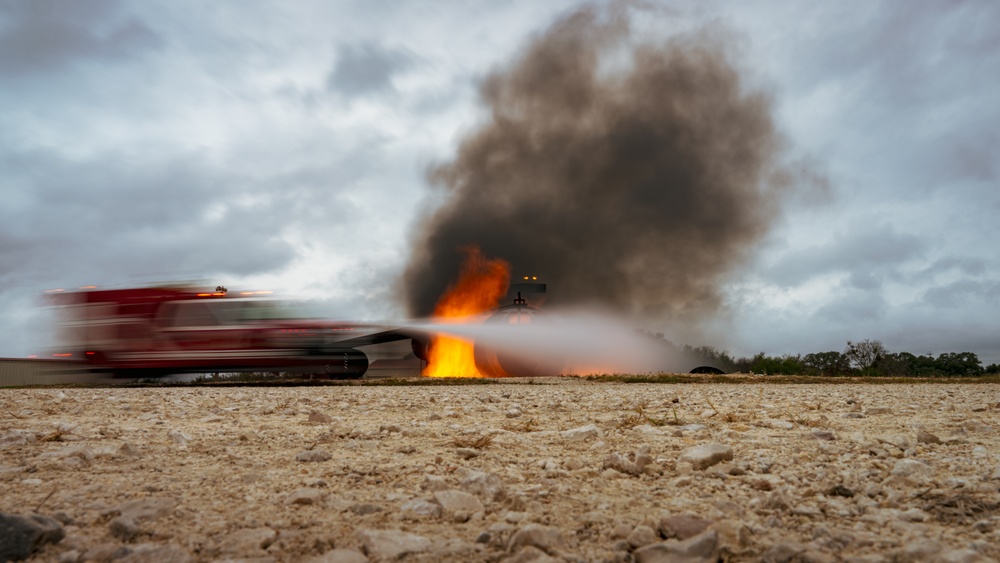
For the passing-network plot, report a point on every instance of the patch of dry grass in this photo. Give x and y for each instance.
(640, 416)
(525, 425)
(476, 442)
(59, 434)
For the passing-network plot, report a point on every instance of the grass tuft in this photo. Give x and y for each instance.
(477, 442)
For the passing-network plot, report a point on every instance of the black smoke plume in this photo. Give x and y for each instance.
(624, 174)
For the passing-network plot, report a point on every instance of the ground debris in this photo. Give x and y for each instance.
(439, 473)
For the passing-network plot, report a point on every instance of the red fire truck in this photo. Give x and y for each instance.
(155, 331)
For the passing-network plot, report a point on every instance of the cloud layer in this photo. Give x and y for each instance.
(288, 146)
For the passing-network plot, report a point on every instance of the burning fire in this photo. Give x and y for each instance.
(480, 287)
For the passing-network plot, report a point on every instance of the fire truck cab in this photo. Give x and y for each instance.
(155, 331)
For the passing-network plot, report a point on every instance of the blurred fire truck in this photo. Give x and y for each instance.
(156, 331)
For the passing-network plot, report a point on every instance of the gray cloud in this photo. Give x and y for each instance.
(963, 265)
(107, 216)
(863, 250)
(956, 294)
(45, 35)
(853, 306)
(900, 100)
(163, 139)
(909, 57)
(974, 157)
(366, 68)
(864, 280)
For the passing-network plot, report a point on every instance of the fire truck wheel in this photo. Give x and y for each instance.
(419, 347)
(349, 364)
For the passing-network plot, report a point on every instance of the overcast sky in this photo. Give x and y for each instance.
(286, 145)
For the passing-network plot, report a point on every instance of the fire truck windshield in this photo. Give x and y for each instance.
(228, 312)
(260, 310)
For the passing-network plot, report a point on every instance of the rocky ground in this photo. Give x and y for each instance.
(555, 470)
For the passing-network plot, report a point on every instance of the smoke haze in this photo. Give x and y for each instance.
(632, 176)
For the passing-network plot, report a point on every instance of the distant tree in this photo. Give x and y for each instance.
(865, 354)
(761, 363)
(708, 355)
(791, 364)
(742, 365)
(925, 366)
(869, 357)
(901, 364)
(826, 363)
(772, 365)
(959, 364)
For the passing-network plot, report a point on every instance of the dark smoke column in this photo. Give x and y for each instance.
(635, 183)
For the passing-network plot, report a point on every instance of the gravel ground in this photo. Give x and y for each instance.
(551, 470)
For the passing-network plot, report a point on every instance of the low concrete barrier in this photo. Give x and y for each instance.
(21, 371)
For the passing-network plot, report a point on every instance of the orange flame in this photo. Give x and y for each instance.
(480, 287)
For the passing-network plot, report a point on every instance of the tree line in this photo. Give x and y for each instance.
(868, 358)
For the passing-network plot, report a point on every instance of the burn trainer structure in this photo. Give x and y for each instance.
(493, 362)
(473, 357)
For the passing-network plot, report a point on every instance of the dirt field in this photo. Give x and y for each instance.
(554, 470)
